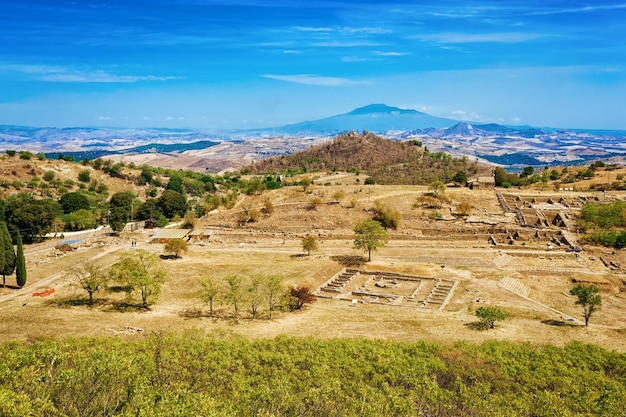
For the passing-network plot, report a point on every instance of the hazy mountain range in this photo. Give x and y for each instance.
(506, 145)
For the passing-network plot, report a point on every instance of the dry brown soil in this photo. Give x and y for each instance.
(272, 245)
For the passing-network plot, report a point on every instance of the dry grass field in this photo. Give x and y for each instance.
(477, 252)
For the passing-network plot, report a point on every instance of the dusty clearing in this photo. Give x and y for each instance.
(490, 256)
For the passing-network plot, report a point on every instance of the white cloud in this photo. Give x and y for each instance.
(372, 31)
(66, 75)
(313, 29)
(105, 118)
(503, 37)
(346, 44)
(311, 79)
(391, 53)
(467, 116)
(291, 51)
(355, 59)
(585, 9)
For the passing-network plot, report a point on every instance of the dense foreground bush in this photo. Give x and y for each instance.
(223, 375)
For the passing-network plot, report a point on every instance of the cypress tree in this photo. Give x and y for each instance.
(7, 255)
(20, 263)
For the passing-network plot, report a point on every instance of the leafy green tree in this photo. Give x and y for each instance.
(33, 218)
(146, 175)
(172, 203)
(369, 235)
(176, 247)
(149, 210)
(82, 219)
(91, 278)
(235, 292)
(120, 207)
(309, 244)
(7, 254)
(527, 172)
(139, 271)
(175, 184)
(255, 295)
(588, 298)
(212, 290)
(74, 201)
(275, 290)
(460, 177)
(488, 317)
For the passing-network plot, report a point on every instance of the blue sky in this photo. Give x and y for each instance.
(215, 64)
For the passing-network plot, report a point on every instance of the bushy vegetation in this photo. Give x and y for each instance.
(225, 375)
(604, 223)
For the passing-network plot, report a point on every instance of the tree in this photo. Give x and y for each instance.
(460, 177)
(176, 247)
(235, 291)
(91, 278)
(211, 291)
(588, 298)
(82, 219)
(437, 188)
(369, 235)
(20, 263)
(139, 271)
(309, 244)
(7, 254)
(31, 217)
(488, 317)
(172, 203)
(274, 285)
(301, 296)
(149, 210)
(175, 184)
(527, 172)
(120, 207)
(75, 201)
(255, 295)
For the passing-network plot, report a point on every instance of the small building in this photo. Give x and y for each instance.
(482, 183)
(165, 235)
(150, 223)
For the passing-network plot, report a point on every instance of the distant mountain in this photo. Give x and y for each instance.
(378, 118)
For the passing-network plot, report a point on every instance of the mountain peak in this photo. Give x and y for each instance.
(381, 108)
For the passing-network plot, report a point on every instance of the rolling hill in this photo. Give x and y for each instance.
(385, 160)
